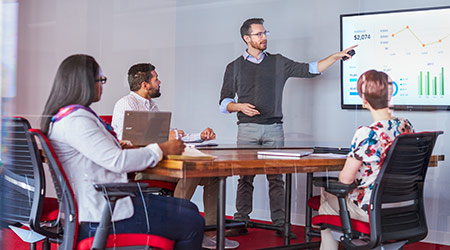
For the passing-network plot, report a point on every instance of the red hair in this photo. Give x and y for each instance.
(374, 87)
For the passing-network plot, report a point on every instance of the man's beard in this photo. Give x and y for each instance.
(155, 94)
(259, 45)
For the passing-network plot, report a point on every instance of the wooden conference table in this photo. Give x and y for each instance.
(232, 160)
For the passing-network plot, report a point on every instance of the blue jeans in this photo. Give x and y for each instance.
(172, 218)
(260, 134)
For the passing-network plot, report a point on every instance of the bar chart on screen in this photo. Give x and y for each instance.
(411, 46)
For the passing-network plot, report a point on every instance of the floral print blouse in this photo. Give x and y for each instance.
(369, 145)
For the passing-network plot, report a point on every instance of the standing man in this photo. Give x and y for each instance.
(144, 86)
(257, 78)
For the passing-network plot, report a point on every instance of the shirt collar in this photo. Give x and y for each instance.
(251, 58)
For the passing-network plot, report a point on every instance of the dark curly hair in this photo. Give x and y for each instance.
(139, 73)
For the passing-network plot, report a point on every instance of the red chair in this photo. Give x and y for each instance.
(26, 210)
(314, 202)
(161, 187)
(397, 214)
(106, 118)
(114, 191)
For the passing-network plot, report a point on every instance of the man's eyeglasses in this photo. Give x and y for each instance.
(102, 80)
(261, 34)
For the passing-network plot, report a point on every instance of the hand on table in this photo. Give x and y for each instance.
(173, 134)
(208, 134)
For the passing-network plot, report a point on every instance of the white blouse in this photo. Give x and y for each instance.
(89, 154)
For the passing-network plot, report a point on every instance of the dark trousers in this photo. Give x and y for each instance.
(172, 218)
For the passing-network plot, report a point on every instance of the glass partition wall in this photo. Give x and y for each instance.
(191, 43)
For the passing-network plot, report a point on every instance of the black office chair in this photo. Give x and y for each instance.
(26, 210)
(313, 203)
(397, 213)
(68, 239)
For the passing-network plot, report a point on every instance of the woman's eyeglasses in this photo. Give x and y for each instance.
(102, 80)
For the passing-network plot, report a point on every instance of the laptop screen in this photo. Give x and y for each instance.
(145, 127)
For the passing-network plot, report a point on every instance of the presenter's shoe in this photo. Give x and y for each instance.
(280, 233)
(210, 243)
(236, 232)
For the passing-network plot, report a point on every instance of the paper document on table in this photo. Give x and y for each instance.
(191, 153)
(330, 155)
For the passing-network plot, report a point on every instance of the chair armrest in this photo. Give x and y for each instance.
(340, 190)
(112, 192)
(333, 185)
(119, 190)
(321, 181)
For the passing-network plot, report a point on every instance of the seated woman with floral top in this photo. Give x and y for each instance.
(366, 151)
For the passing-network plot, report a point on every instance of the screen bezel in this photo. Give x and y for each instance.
(396, 107)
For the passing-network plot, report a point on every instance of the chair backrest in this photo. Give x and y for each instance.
(23, 182)
(66, 198)
(397, 211)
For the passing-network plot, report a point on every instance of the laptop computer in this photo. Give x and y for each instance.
(332, 150)
(145, 127)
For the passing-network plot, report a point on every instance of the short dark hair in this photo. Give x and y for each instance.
(74, 84)
(138, 73)
(247, 26)
(374, 87)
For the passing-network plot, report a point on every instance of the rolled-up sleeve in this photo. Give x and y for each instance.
(314, 68)
(224, 104)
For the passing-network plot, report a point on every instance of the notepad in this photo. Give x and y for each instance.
(284, 153)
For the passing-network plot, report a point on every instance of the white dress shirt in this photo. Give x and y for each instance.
(89, 154)
(136, 102)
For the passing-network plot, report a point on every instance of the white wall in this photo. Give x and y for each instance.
(191, 42)
(117, 33)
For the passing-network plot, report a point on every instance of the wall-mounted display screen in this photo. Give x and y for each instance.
(411, 46)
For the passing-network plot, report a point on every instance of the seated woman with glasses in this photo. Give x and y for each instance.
(366, 151)
(90, 153)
